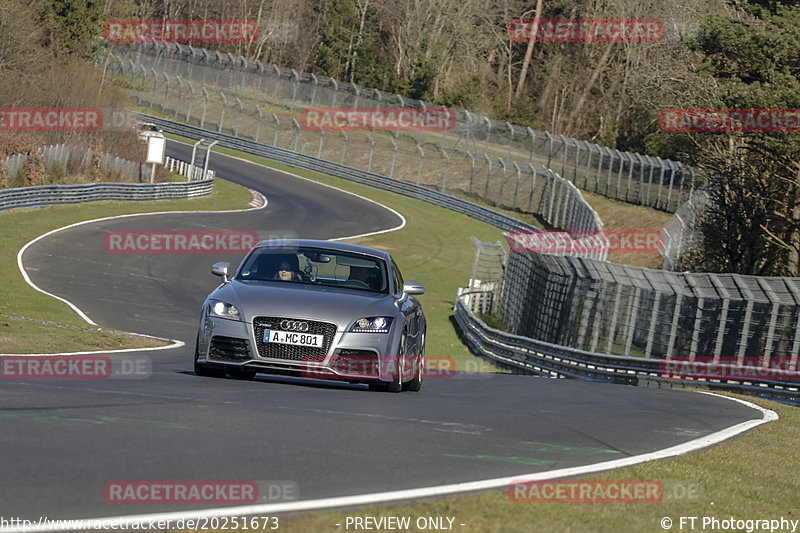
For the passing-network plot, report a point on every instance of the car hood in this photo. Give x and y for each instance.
(312, 302)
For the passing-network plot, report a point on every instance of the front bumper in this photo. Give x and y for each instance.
(352, 357)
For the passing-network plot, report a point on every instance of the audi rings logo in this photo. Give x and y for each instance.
(294, 325)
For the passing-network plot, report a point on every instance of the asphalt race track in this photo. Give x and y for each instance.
(63, 440)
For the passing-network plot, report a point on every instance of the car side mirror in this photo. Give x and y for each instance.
(413, 287)
(221, 269)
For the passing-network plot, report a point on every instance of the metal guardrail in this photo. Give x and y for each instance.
(553, 360)
(46, 195)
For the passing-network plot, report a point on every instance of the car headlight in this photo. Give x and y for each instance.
(222, 309)
(372, 324)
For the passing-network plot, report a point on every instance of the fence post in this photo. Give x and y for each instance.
(294, 90)
(258, 126)
(394, 155)
(488, 176)
(371, 150)
(421, 158)
(533, 185)
(222, 113)
(297, 135)
(516, 188)
(502, 182)
(239, 118)
(344, 147)
(315, 81)
(155, 81)
(277, 125)
(446, 166)
(191, 101)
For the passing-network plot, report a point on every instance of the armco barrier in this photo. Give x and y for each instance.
(564, 362)
(47, 195)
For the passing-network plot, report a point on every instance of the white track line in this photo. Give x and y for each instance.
(424, 492)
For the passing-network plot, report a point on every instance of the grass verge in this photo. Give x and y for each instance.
(32, 322)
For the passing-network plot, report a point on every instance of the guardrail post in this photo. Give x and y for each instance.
(222, 113)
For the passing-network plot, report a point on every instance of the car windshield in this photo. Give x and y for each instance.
(316, 266)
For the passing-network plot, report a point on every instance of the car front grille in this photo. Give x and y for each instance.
(288, 351)
(228, 348)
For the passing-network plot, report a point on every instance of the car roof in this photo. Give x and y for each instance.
(327, 245)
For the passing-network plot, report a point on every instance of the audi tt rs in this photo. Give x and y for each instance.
(314, 309)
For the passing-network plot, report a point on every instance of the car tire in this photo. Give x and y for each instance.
(415, 384)
(203, 370)
(396, 385)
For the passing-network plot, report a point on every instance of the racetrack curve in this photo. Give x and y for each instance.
(62, 441)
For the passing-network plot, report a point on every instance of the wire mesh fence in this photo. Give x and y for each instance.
(616, 309)
(477, 155)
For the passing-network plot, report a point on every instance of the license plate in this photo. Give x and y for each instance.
(293, 338)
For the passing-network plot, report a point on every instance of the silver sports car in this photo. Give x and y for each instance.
(315, 309)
